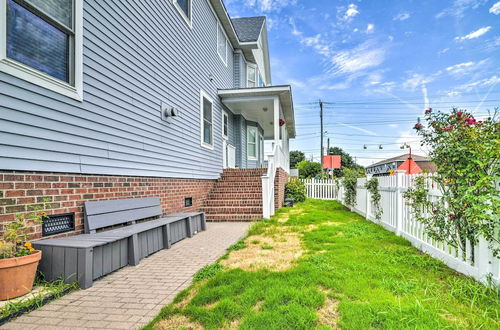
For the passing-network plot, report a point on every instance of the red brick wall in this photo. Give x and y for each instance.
(279, 187)
(68, 192)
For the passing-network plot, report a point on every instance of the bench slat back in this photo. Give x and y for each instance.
(103, 214)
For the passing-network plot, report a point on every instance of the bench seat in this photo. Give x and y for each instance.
(86, 257)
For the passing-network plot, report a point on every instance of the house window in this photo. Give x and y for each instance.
(225, 125)
(206, 115)
(251, 75)
(252, 143)
(221, 44)
(185, 9)
(42, 43)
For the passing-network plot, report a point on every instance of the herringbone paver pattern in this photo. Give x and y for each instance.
(132, 296)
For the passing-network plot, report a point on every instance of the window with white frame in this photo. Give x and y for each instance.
(225, 125)
(252, 143)
(251, 75)
(206, 121)
(185, 9)
(41, 41)
(221, 44)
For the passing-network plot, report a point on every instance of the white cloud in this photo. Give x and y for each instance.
(270, 5)
(495, 9)
(493, 80)
(366, 55)
(464, 68)
(393, 125)
(474, 34)
(401, 16)
(370, 28)
(337, 86)
(459, 7)
(358, 129)
(417, 80)
(445, 50)
(352, 10)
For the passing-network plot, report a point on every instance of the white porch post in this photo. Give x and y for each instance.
(276, 121)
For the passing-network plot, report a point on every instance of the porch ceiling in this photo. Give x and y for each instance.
(253, 102)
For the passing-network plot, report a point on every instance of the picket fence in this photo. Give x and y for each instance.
(397, 217)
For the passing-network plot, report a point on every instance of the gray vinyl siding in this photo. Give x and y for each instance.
(137, 54)
(237, 69)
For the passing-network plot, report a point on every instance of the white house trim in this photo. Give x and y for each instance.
(188, 20)
(39, 78)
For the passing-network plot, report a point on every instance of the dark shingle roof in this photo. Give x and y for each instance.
(248, 28)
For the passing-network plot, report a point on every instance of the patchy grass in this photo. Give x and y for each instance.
(329, 268)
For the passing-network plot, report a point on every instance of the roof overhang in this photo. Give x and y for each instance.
(251, 102)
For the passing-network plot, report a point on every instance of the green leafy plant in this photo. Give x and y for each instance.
(308, 169)
(295, 189)
(14, 241)
(466, 152)
(372, 186)
(350, 182)
(207, 272)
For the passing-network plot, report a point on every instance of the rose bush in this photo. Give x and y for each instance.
(466, 152)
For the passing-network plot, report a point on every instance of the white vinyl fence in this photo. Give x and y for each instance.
(397, 217)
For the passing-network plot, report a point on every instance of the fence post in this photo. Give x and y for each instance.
(399, 200)
(368, 199)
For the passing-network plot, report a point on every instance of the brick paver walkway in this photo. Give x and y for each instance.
(132, 296)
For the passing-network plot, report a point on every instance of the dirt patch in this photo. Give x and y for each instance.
(258, 306)
(286, 248)
(192, 292)
(328, 314)
(177, 322)
(234, 325)
(211, 305)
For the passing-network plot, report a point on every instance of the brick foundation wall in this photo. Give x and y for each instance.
(279, 187)
(68, 192)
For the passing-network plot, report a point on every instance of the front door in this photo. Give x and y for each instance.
(228, 151)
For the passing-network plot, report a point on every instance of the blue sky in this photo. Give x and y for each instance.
(378, 64)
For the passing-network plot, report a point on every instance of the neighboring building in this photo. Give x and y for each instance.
(100, 100)
(384, 167)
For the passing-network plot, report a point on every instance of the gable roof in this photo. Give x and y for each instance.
(248, 28)
(402, 158)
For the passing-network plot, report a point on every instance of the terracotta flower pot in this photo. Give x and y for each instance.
(17, 275)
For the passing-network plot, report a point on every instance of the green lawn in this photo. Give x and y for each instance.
(318, 265)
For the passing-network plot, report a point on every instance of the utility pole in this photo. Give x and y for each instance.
(321, 121)
(327, 146)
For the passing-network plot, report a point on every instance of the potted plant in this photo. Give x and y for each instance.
(18, 259)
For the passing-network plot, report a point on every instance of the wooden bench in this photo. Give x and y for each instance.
(88, 256)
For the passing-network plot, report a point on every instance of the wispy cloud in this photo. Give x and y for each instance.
(352, 10)
(495, 9)
(459, 7)
(358, 129)
(465, 68)
(417, 80)
(493, 80)
(269, 5)
(367, 55)
(370, 28)
(401, 16)
(474, 34)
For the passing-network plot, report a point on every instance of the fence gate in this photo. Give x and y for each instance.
(326, 189)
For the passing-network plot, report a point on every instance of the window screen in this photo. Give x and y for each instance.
(184, 5)
(207, 121)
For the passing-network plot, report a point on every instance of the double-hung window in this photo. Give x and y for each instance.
(41, 41)
(252, 143)
(225, 125)
(251, 75)
(184, 7)
(206, 121)
(221, 44)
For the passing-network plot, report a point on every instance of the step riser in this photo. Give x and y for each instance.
(234, 203)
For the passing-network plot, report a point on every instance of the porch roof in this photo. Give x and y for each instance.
(254, 103)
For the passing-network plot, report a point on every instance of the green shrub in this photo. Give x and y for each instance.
(308, 169)
(295, 189)
(207, 272)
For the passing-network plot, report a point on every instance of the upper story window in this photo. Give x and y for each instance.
(41, 41)
(251, 75)
(206, 119)
(185, 9)
(260, 82)
(221, 44)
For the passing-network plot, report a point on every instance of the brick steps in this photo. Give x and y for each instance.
(236, 196)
